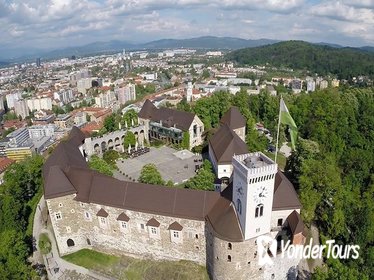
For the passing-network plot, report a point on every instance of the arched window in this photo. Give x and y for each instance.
(259, 210)
(70, 242)
(229, 258)
(239, 206)
(229, 246)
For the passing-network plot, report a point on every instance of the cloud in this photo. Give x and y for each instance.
(60, 23)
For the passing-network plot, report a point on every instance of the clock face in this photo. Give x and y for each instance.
(260, 194)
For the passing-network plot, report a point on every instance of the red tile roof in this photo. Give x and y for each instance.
(5, 163)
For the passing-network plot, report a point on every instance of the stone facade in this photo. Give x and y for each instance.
(79, 222)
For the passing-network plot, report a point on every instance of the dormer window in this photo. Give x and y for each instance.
(176, 235)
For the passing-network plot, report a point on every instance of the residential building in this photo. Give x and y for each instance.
(335, 83)
(64, 121)
(13, 97)
(105, 99)
(37, 104)
(21, 109)
(125, 93)
(310, 85)
(323, 84)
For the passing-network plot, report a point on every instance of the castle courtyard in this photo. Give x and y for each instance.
(174, 165)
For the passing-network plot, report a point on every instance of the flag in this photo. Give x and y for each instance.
(285, 118)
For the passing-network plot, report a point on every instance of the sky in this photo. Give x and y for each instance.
(51, 24)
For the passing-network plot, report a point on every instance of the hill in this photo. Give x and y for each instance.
(207, 42)
(343, 62)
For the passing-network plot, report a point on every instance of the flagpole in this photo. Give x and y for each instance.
(279, 119)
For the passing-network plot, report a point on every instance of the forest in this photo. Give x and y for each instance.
(20, 193)
(332, 167)
(345, 63)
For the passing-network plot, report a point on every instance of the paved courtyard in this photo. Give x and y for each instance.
(177, 166)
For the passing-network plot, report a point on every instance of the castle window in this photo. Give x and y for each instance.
(58, 216)
(259, 212)
(103, 220)
(229, 246)
(70, 242)
(176, 234)
(153, 230)
(239, 206)
(142, 226)
(72, 211)
(123, 225)
(257, 230)
(196, 236)
(60, 205)
(229, 258)
(87, 215)
(88, 242)
(280, 222)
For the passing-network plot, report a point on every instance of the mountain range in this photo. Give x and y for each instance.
(207, 42)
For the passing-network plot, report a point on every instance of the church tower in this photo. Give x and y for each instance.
(253, 189)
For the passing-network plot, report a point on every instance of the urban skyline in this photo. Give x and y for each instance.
(53, 24)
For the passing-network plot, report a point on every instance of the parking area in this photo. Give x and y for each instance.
(177, 166)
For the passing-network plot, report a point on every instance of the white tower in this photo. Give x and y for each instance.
(189, 92)
(253, 189)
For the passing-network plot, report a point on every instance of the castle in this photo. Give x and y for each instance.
(217, 229)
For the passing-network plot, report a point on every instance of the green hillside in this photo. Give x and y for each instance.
(343, 62)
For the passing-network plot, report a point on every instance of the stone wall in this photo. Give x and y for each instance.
(231, 260)
(80, 223)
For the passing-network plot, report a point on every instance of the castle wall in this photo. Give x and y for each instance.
(231, 260)
(79, 223)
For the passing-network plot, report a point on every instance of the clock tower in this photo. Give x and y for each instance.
(253, 189)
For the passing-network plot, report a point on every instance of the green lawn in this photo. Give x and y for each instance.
(136, 269)
(281, 159)
(44, 244)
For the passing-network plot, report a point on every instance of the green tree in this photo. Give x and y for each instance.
(110, 157)
(204, 179)
(186, 141)
(129, 139)
(150, 175)
(110, 123)
(100, 165)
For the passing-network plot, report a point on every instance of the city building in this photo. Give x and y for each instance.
(65, 96)
(64, 121)
(169, 125)
(216, 229)
(39, 131)
(189, 92)
(38, 62)
(37, 104)
(323, 84)
(310, 85)
(105, 99)
(125, 93)
(21, 152)
(21, 109)
(13, 97)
